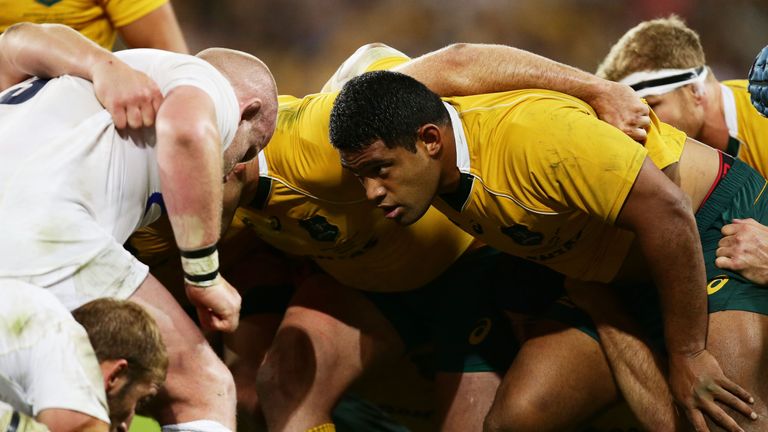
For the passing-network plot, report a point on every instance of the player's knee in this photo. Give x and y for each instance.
(200, 376)
(288, 368)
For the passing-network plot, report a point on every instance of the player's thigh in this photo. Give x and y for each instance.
(342, 322)
(737, 339)
(559, 379)
(464, 399)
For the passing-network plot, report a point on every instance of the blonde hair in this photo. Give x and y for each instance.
(121, 329)
(665, 43)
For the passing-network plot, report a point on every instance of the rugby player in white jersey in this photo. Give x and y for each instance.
(71, 376)
(74, 185)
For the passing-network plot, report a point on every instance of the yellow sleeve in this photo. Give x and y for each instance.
(124, 12)
(574, 159)
(664, 143)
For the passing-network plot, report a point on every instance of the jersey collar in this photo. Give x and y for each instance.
(459, 198)
(462, 147)
(731, 120)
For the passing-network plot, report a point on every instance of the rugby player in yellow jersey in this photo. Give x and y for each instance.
(535, 174)
(140, 23)
(309, 205)
(664, 61)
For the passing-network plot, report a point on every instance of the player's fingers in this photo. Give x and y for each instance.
(638, 134)
(727, 263)
(224, 324)
(134, 117)
(205, 317)
(147, 114)
(696, 418)
(729, 230)
(157, 100)
(720, 417)
(644, 121)
(119, 117)
(736, 403)
(736, 390)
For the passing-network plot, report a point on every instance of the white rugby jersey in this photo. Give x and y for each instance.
(46, 359)
(70, 186)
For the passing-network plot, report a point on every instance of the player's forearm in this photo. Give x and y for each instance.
(639, 377)
(464, 69)
(190, 163)
(673, 251)
(159, 29)
(48, 50)
(636, 370)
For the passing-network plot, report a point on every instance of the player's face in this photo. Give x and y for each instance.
(680, 109)
(399, 182)
(123, 402)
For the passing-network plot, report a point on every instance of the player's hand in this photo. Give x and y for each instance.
(744, 249)
(130, 96)
(697, 381)
(218, 305)
(620, 106)
(758, 82)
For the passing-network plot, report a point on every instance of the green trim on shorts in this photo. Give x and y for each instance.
(740, 195)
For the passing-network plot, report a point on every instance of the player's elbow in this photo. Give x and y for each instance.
(185, 134)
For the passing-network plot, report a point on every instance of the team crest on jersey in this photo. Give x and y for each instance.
(320, 229)
(48, 2)
(521, 235)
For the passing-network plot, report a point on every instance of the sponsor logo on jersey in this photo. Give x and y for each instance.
(320, 229)
(523, 236)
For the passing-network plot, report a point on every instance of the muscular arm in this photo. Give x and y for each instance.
(26, 50)
(464, 69)
(638, 372)
(158, 29)
(661, 217)
(51, 50)
(64, 420)
(189, 157)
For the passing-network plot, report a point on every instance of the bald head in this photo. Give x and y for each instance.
(249, 76)
(257, 96)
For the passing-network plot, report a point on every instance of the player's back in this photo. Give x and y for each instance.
(63, 161)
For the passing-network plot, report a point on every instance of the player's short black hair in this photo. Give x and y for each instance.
(383, 105)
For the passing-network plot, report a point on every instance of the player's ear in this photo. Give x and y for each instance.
(251, 110)
(114, 372)
(432, 137)
(698, 91)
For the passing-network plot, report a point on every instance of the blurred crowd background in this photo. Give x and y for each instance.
(304, 41)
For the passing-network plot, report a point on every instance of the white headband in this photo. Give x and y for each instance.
(657, 82)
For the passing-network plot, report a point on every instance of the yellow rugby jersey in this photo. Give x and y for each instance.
(98, 20)
(364, 60)
(307, 204)
(748, 130)
(542, 178)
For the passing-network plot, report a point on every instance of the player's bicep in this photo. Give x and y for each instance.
(652, 201)
(187, 114)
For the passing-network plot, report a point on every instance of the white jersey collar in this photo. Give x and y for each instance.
(462, 147)
(729, 111)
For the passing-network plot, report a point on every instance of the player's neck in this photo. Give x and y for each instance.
(714, 130)
(449, 171)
